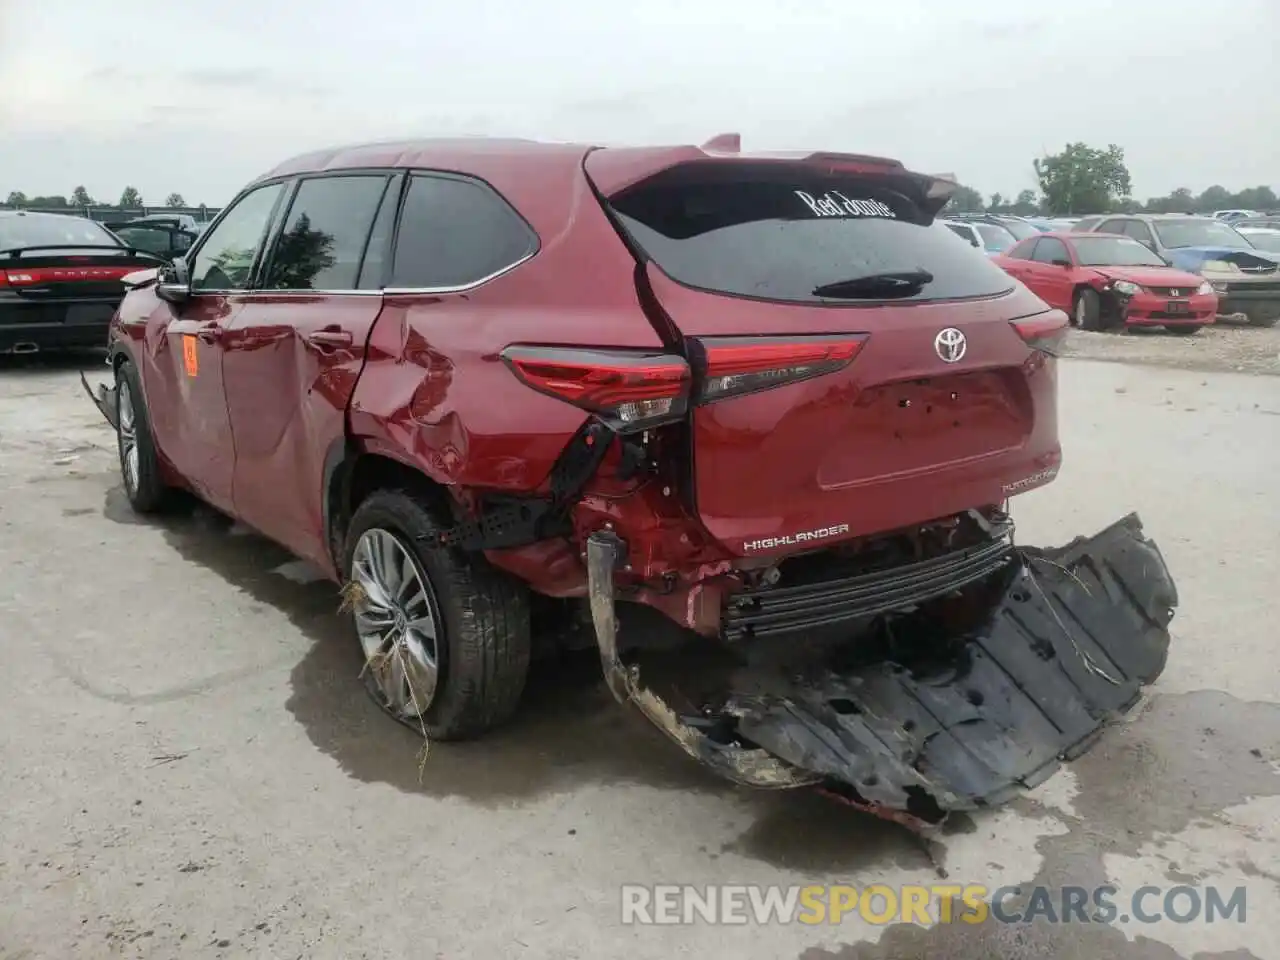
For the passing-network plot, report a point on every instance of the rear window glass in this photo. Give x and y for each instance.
(34, 229)
(782, 234)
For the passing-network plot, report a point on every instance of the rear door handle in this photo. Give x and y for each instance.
(209, 334)
(330, 338)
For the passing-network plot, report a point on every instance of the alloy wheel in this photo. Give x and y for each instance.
(398, 622)
(127, 436)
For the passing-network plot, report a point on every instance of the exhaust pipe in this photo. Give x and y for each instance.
(25, 346)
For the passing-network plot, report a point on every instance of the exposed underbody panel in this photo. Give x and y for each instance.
(956, 702)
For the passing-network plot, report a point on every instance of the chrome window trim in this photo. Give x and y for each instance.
(462, 288)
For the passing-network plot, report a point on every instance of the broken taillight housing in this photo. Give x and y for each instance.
(631, 389)
(1044, 332)
(732, 366)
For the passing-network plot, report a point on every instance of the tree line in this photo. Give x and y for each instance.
(1083, 179)
(129, 199)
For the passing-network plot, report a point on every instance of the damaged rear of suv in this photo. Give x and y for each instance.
(763, 396)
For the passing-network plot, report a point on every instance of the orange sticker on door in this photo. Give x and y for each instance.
(190, 359)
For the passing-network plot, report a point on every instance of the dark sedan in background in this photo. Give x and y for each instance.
(60, 280)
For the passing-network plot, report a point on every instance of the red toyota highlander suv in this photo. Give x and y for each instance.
(764, 395)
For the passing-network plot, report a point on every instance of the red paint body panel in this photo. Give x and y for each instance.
(897, 437)
(189, 413)
(287, 398)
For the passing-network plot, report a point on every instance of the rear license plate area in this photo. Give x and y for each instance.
(903, 427)
(1178, 306)
(84, 314)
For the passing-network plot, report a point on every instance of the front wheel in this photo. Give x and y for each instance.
(1088, 310)
(139, 465)
(445, 636)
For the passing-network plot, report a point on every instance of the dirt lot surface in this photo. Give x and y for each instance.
(1220, 347)
(190, 768)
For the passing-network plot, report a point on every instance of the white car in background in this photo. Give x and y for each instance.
(1237, 214)
(991, 238)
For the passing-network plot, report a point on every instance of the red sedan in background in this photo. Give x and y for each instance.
(1106, 280)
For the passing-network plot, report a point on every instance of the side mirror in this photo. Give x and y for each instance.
(174, 285)
(1062, 263)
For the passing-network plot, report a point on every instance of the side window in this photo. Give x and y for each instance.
(456, 232)
(1140, 232)
(225, 259)
(324, 236)
(1111, 226)
(1050, 249)
(1023, 250)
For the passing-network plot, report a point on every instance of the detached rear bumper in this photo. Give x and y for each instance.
(104, 398)
(1071, 638)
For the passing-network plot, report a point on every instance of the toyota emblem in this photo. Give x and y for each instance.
(1173, 293)
(950, 345)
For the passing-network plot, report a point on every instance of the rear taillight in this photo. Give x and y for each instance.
(631, 389)
(14, 279)
(732, 366)
(1044, 332)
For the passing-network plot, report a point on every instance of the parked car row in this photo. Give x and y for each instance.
(1172, 270)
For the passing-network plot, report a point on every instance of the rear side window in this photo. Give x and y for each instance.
(1051, 249)
(456, 232)
(324, 236)
(1023, 250)
(782, 234)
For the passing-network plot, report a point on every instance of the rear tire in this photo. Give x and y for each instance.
(480, 637)
(135, 445)
(1087, 310)
(1184, 330)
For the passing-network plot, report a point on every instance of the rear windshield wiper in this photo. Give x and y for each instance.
(902, 283)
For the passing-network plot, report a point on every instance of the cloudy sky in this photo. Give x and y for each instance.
(200, 97)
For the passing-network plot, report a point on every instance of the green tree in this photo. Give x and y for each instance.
(1082, 179)
(54, 201)
(997, 202)
(1025, 205)
(131, 197)
(16, 198)
(1180, 201)
(1214, 198)
(1256, 198)
(174, 200)
(80, 197)
(965, 200)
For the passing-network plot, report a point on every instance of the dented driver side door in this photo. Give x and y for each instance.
(186, 393)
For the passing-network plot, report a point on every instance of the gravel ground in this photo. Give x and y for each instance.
(1220, 347)
(192, 770)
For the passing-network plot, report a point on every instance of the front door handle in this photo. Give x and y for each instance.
(209, 334)
(330, 339)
